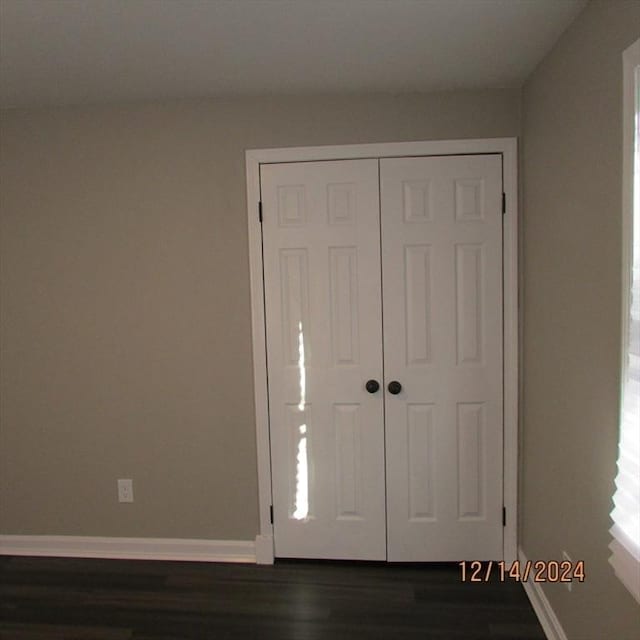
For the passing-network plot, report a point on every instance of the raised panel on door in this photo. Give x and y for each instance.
(323, 321)
(442, 282)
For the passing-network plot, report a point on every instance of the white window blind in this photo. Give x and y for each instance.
(625, 545)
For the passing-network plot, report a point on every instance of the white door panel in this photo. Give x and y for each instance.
(442, 282)
(415, 242)
(323, 314)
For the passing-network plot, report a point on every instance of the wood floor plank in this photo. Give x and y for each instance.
(56, 632)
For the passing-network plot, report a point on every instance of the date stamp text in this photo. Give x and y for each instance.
(538, 571)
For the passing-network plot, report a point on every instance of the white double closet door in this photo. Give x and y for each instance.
(385, 270)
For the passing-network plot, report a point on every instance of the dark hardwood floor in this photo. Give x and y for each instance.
(78, 599)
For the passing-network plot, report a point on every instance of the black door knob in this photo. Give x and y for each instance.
(394, 387)
(372, 386)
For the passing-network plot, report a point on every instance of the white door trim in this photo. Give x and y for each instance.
(505, 146)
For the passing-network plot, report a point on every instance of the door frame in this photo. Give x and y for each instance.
(508, 148)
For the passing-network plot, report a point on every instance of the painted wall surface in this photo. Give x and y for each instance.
(572, 114)
(125, 310)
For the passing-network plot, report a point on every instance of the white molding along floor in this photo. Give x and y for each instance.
(541, 605)
(129, 548)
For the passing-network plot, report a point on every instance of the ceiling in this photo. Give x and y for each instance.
(55, 52)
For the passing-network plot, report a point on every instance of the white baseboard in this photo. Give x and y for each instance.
(130, 548)
(541, 605)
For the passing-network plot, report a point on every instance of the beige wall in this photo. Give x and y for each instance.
(126, 345)
(572, 225)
